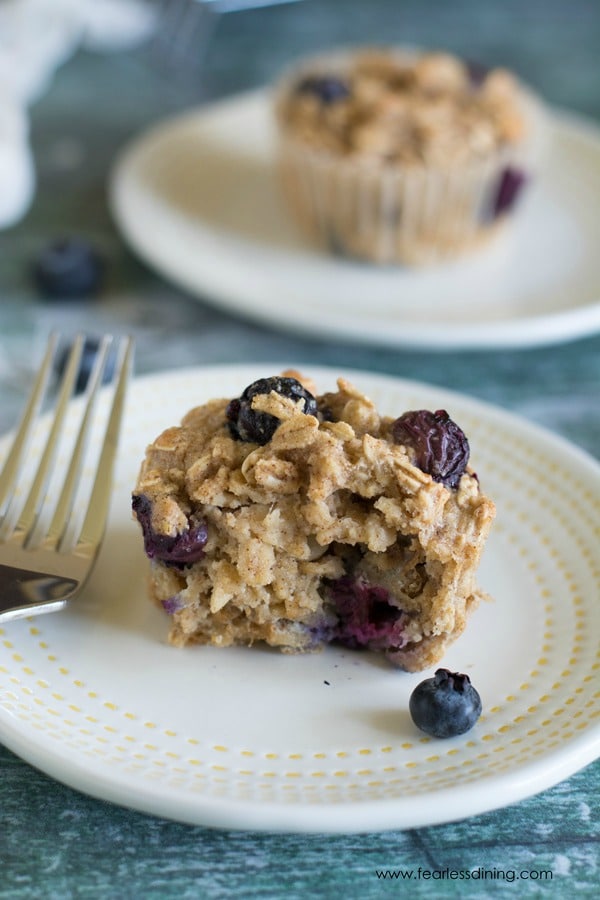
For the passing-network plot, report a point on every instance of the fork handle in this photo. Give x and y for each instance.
(25, 593)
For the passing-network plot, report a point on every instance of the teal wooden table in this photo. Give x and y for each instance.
(57, 843)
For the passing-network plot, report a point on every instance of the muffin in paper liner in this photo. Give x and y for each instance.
(397, 156)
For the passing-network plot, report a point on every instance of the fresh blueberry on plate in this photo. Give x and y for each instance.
(446, 705)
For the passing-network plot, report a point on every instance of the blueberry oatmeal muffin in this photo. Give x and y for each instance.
(300, 520)
(396, 156)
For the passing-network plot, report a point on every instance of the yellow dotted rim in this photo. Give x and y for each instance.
(554, 706)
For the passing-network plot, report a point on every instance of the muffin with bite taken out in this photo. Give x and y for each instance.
(300, 519)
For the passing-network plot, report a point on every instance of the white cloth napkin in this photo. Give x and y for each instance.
(36, 37)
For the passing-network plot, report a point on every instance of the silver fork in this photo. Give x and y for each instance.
(48, 547)
(185, 27)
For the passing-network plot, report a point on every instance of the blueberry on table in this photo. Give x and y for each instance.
(88, 357)
(68, 269)
(247, 424)
(446, 705)
(439, 446)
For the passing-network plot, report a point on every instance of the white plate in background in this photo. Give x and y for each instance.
(196, 197)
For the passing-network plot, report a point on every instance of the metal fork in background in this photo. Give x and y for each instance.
(48, 547)
(184, 28)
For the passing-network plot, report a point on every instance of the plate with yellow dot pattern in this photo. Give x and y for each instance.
(254, 739)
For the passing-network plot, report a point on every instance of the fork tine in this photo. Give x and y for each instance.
(56, 530)
(184, 31)
(185, 28)
(97, 510)
(12, 465)
(28, 517)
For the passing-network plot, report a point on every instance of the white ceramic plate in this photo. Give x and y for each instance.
(250, 738)
(197, 199)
